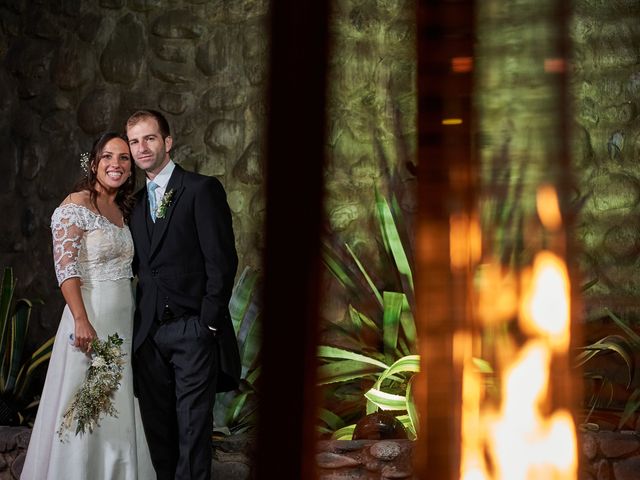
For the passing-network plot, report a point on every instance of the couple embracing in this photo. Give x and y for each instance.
(176, 236)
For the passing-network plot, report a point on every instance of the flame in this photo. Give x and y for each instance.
(524, 438)
(498, 294)
(472, 464)
(545, 306)
(548, 207)
(465, 241)
(525, 444)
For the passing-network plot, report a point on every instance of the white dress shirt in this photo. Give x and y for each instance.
(162, 179)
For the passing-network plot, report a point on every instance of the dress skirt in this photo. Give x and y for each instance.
(116, 450)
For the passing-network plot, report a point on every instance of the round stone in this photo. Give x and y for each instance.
(171, 72)
(123, 57)
(172, 50)
(225, 98)
(224, 135)
(379, 426)
(97, 111)
(333, 460)
(178, 24)
(341, 216)
(174, 103)
(219, 54)
(236, 200)
(146, 5)
(89, 26)
(248, 168)
(589, 446)
(30, 61)
(385, 450)
(612, 192)
(73, 65)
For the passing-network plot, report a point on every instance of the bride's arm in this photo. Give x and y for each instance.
(84, 332)
(67, 228)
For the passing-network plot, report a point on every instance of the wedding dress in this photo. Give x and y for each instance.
(87, 245)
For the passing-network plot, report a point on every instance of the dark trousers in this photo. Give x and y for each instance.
(175, 372)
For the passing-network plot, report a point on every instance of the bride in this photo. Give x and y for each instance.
(92, 250)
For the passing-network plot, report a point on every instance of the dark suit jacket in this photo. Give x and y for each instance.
(187, 262)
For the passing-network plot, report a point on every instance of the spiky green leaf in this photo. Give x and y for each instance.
(392, 302)
(365, 274)
(386, 401)
(392, 238)
(630, 407)
(333, 421)
(326, 351)
(344, 370)
(345, 433)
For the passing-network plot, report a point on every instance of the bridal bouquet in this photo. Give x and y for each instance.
(94, 398)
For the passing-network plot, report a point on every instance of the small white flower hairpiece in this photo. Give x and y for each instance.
(84, 162)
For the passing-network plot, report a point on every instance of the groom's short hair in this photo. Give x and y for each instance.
(163, 125)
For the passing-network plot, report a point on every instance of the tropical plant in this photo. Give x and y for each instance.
(16, 375)
(370, 363)
(235, 411)
(609, 381)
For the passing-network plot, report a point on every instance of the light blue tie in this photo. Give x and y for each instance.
(151, 190)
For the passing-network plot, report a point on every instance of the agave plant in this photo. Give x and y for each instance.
(16, 375)
(375, 360)
(235, 411)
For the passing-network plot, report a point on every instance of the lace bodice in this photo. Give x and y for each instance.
(89, 246)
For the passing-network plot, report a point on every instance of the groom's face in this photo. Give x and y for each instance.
(149, 150)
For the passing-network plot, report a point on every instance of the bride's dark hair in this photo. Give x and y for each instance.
(124, 197)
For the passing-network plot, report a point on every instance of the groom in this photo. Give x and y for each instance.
(184, 345)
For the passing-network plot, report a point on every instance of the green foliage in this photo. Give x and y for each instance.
(16, 375)
(235, 412)
(626, 346)
(372, 361)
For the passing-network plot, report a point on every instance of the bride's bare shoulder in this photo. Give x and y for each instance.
(82, 198)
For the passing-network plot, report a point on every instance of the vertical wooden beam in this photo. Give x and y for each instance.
(446, 174)
(295, 152)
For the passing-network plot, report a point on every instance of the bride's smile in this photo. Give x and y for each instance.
(114, 166)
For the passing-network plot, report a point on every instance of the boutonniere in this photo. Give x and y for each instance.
(165, 201)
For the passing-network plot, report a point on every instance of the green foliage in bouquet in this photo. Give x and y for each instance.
(94, 398)
(16, 375)
(235, 412)
(370, 364)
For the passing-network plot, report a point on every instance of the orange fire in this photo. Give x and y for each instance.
(545, 307)
(525, 439)
(524, 443)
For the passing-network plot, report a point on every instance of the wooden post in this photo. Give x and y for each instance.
(295, 152)
(446, 174)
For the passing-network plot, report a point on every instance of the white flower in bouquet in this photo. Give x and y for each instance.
(98, 362)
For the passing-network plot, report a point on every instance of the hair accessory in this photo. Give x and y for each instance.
(84, 162)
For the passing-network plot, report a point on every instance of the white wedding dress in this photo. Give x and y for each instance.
(89, 246)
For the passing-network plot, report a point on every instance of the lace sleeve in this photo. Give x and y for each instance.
(67, 228)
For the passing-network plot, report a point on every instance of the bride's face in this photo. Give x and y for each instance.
(114, 164)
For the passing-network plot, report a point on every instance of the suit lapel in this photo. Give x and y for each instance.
(138, 220)
(175, 184)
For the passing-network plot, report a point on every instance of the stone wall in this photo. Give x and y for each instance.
(604, 455)
(610, 455)
(606, 87)
(71, 69)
